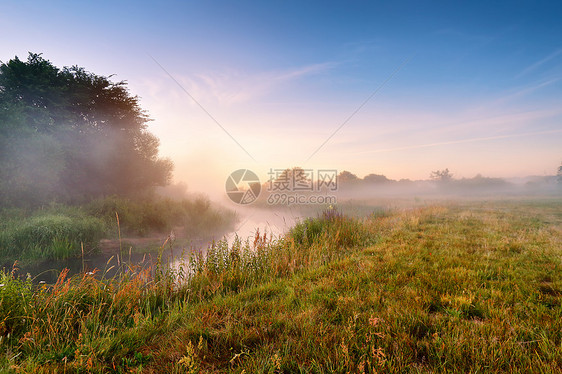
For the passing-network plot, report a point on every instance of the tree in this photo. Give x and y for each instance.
(376, 179)
(441, 175)
(559, 174)
(71, 135)
(347, 178)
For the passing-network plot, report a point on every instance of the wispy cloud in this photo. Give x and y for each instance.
(501, 121)
(235, 87)
(460, 141)
(539, 63)
(405, 133)
(514, 94)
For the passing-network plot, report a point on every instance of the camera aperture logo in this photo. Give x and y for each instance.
(243, 186)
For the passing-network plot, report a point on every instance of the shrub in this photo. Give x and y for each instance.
(142, 216)
(53, 236)
(331, 226)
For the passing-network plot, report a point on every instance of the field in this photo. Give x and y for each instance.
(452, 287)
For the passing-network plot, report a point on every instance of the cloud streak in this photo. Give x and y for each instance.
(539, 63)
(460, 141)
(236, 87)
(508, 97)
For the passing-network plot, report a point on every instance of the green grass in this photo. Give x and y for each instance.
(60, 231)
(155, 214)
(473, 287)
(48, 236)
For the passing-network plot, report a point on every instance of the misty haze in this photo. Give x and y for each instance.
(250, 187)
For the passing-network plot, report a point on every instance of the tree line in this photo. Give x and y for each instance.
(69, 135)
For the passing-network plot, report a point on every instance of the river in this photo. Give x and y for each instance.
(107, 262)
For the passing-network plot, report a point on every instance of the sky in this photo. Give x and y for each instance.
(398, 88)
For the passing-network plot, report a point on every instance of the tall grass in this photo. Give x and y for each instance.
(437, 289)
(156, 214)
(78, 319)
(88, 313)
(51, 236)
(59, 231)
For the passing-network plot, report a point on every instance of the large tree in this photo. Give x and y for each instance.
(72, 135)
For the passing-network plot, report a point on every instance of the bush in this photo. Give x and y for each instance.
(58, 231)
(331, 226)
(140, 217)
(52, 236)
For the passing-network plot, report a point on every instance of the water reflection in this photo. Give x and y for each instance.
(166, 249)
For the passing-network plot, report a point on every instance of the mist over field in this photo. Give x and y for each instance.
(280, 187)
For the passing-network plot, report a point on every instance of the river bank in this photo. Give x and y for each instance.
(457, 287)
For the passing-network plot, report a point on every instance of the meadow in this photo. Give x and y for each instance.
(448, 287)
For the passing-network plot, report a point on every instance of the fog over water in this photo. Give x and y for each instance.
(356, 198)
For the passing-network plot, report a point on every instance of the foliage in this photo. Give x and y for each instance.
(346, 177)
(49, 236)
(59, 231)
(376, 178)
(196, 216)
(92, 323)
(70, 135)
(15, 295)
(459, 288)
(331, 226)
(441, 175)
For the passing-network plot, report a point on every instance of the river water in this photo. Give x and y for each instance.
(106, 264)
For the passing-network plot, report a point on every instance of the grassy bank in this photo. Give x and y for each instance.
(60, 231)
(54, 233)
(454, 288)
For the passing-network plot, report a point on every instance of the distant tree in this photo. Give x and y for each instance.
(481, 182)
(376, 178)
(559, 174)
(346, 177)
(69, 134)
(441, 175)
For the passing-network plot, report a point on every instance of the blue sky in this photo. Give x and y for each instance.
(475, 87)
